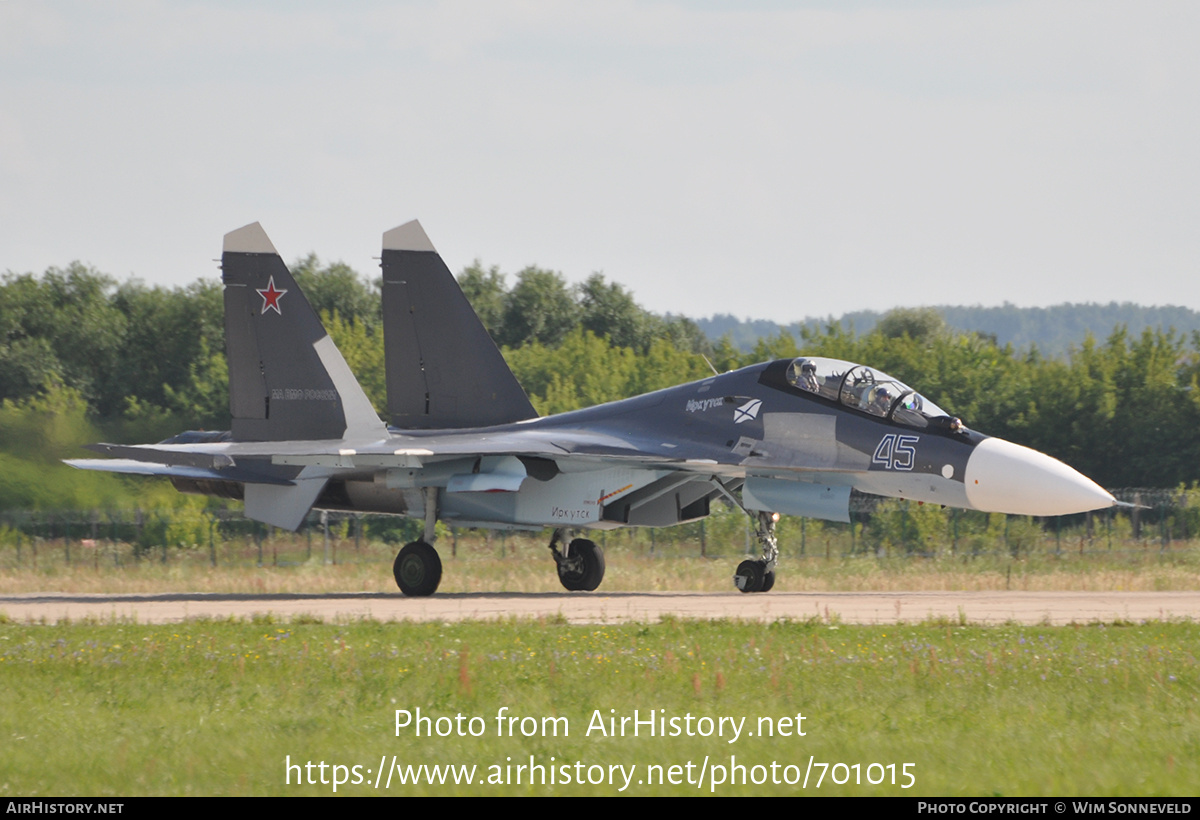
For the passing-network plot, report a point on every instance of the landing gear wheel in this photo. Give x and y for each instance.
(768, 581)
(749, 576)
(582, 568)
(418, 569)
(759, 576)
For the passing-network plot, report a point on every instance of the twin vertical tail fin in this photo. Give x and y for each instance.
(287, 380)
(443, 369)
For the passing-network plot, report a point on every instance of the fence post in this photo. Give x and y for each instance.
(1135, 516)
(325, 532)
(1162, 525)
(1182, 504)
(112, 537)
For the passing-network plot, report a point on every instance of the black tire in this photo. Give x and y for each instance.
(768, 581)
(583, 569)
(418, 569)
(749, 576)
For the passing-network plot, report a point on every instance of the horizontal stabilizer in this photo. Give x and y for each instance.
(131, 467)
(215, 461)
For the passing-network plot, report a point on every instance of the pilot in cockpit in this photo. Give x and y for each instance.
(806, 378)
(881, 400)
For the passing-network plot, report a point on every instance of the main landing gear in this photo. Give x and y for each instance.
(759, 575)
(418, 569)
(580, 565)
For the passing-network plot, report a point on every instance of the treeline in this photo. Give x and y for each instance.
(139, 354)
(84, 357)
(1052, 330)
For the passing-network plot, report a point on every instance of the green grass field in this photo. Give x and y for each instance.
(219, 708)
(522, 563)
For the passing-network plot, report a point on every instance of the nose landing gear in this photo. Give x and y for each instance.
(759, 575)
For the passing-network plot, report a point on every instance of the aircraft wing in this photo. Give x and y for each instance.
(259, 462)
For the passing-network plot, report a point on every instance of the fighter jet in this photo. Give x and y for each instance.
(792, 436)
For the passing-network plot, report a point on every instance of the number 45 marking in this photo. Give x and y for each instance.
(896, 452)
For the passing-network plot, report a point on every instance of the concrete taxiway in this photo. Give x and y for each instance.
(585, 608)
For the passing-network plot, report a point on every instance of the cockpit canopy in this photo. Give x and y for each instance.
(863, 388)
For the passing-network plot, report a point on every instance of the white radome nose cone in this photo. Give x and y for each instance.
(1004, 477)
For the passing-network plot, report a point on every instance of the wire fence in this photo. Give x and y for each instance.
(1152, 521)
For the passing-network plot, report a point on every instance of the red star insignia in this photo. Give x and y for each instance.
(271, 296)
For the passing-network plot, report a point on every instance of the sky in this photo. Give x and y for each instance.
(773, 160)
